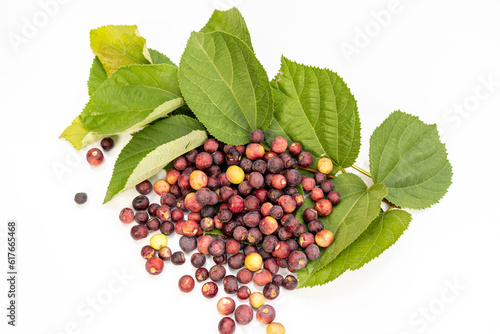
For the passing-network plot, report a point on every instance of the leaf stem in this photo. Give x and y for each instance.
(362, 171)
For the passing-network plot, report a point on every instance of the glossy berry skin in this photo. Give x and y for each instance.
(262, 276)
(198, 179)
(310, 215)
(226, 305)
(306, 239)
(217, 273)
(235, 174)
(308, 183)
(323, 207)
(147, 252)
(290, 283)
(305, 159)
(256, 180)
(138, 232)
(145, 187)
(154, 265)
(209, 289)
(266, 314)
(173, 176)
(327, 186)
(279, 181)
(165, 253)
(95, 157)
(153, 224)
(295, 149)
(243, 314)
(201, 274)
(256, 299)
(255, 151)
(324, 238)
(178, 258)
(227, 326)
(107, 143)
(180, 163)
(271, 290)
(243, 292)
(140, 202)
(297, 260)
(80, 198)
(186, 283)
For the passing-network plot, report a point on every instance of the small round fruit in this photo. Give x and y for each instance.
(107, 143)
(80, 198)
(235, 174)
(201, 274)
(256, 299)
(334, 197)
(198, 179)
(140, 202)
(243, 292)
(262, 276)
(325, 165)
(95, 156)
(209, 289)
(147, 252)
(255, 151)
(324, 238)
(203, 160)
(158, 241)
(186, 283)
(153, 224)
(227, 326)
(165, 253)
(275, 328)
(178, 258)
(312, 252)
(190, 228)
(217, 273)
(145, 187)
(253, 261)
(305, 159)
(244, 276)
(310, 215)
(226, 305)
(266, 314)
(230, 284)
(271, 290)
(243, 314)
(323, 207)
(139, 232)
(317, 194)
(295, 148)
(290, 283)
(154, 265)
(161, 186)
(173, 176)
(268, 225)
(297, 260)
(257, 136)
(279, 145)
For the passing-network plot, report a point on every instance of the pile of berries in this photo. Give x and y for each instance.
(236, 204)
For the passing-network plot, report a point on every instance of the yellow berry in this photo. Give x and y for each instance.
(325, 165)
(253, 261)
(235, 174)
(158, 241)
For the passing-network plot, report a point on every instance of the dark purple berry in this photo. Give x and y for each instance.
(80, 198)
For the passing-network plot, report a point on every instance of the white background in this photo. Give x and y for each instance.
(427, 58)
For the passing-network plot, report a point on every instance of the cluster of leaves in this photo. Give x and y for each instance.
(221, 89)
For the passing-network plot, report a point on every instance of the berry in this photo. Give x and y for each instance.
(279, 145)
(253, 261)
(107, 143)
(230, 284)
(141, 202)
(180, 163)
(275, 328)
(269, 243)
(272, 290)
(279, 181)
(262, 276)
(308, 183)
(235, 174)
(139, 232)
(203, 160)
(259, 166)
(217, 273)
(295, 148)
(95, 157)
(243, 314)
(256, 180)
(191, 156)
(232, 247)
(158, 241)
(191, 204)
(152, 209)
(217, 247)
(257, 136)
(243, 292)
(226, 326)
(297, 260)
(275, 165)
(310, 215)
(163, 212)
(312, 252)
(226, 305)
(244, 276)
(325, 165)
(209, 289)
(190, 228)
(287, 203)
(198, 179)
(290, 283)
(165, 253)
(327, 186)
(147, 252)
(256, 299)
(186, 283)
(178, 258)
(333, 197)
(306, 239)
(276, 212)
(153, 224)
(240, 233)
(145, 187)
(271, 265)
(282, 250)
(266, 314)
(201, 274)
(255, 151)
(268, 225)
(187, 244)
(154, 265)
(305, 159)
(80, 198)
(317, 194)
(323, 207)
(210, 146)
(293, 177)
(236, 204)
(324, 238)
(254, 236)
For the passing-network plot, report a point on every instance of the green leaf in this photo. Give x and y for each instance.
(97, 76)
(382, 233)
(117, 46)
(78, 135)
(316, 108)
(408, 157)
(153, 148)
(230, 21)
(132, 97)
(159, 58)
(225, 86)
(358, 207)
